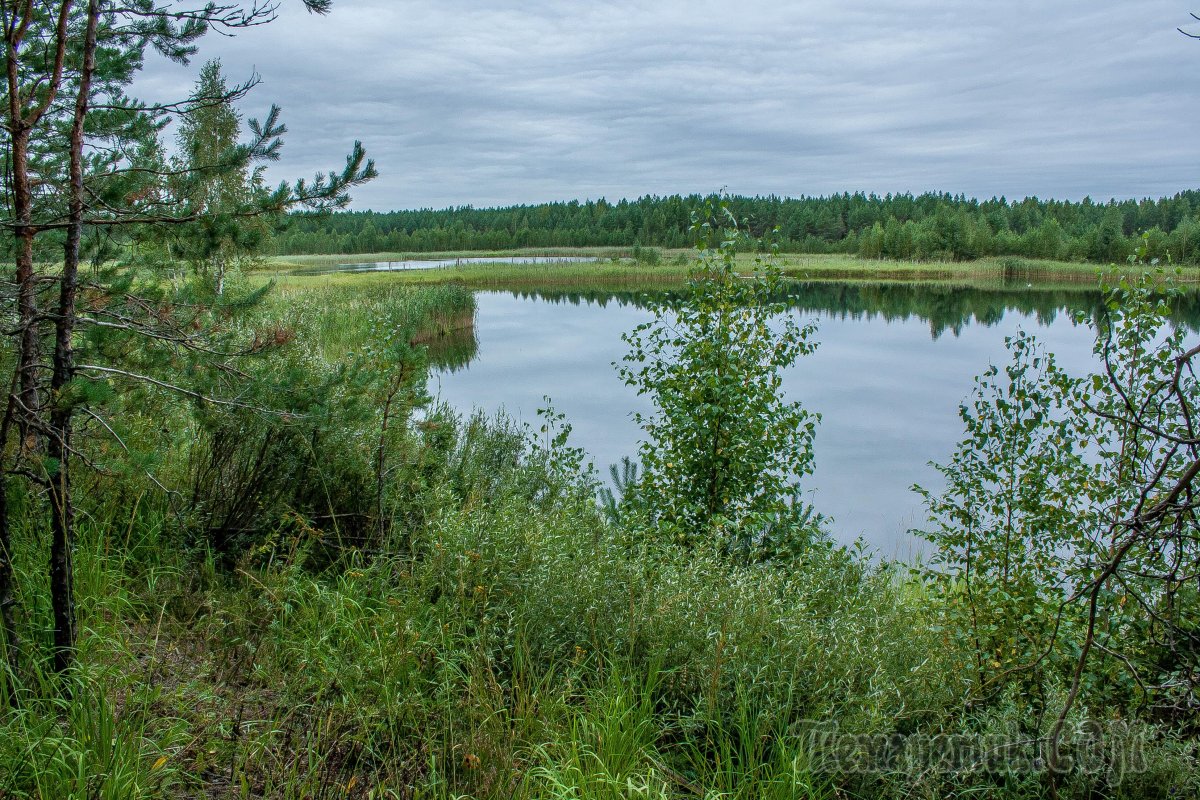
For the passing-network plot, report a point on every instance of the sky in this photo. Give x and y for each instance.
(495, 103)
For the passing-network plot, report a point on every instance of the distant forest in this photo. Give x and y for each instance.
(902, 226)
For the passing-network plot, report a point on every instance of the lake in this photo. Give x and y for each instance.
(444, 263)
(893, 365)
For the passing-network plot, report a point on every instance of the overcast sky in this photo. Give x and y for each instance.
(515, 102)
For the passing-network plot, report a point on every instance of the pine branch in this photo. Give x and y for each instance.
(203, 398)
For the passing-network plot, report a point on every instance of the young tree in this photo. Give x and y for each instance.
(1067, 536)
(214, 183)
(723, 450)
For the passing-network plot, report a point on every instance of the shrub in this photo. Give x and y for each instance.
(723, 450)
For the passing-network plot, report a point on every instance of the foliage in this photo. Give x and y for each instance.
(215, 183)
(647, 256)
(502, 637)
(930, 226)
(722, 450)
(301, 582)
(1067, 526)
(322, 419)
(1012, 501)
(83, 159)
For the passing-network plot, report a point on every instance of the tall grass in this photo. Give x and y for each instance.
(97, 732)
(623, 274)
(336, 318)
(514, 644)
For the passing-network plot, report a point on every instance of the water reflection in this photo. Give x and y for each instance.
(893, 365)
(453, 350)
(443, 263)
(945, 308)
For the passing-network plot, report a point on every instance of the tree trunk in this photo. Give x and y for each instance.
(62, 512)
(23, 402)
(21, 123)
(8, 624)
(28, 346)
(22, 398)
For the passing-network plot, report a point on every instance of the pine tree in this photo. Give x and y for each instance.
(81, 155)
(215, 183)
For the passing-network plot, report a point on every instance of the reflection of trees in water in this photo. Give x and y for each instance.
(592, 297)
(454, 350)
(945, 308)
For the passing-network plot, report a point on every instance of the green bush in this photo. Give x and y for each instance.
(723, 451)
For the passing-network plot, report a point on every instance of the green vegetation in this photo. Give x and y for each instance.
(243, 555)
(722, 450)
(341, 318)
(617, 271)
(1063, 531)
(481, 628)
(218, 242)
(75, 333)
(902, 227)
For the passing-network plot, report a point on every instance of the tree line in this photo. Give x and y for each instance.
(929, 226)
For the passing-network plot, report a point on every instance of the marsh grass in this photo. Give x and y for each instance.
(605, 274)
(334, 318)
(327, 261)
(672, 270)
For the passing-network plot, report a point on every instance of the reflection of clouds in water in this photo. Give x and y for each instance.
(887, 390)
(889, 394)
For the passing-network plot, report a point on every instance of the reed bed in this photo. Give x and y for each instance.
(623, 273)
(336, 317)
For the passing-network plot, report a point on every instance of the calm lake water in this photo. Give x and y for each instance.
(893, 365)
(441, 263)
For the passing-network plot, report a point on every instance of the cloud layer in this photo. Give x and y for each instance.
(494, 103)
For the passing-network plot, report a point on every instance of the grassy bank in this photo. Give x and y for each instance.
(337, 317)
(294, 262)
(510, 647)
(672, 270)
(622, 273)
(507, 641)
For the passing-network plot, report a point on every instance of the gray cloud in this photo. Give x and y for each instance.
(471, 103)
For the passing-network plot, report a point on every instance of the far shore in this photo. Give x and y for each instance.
(615, 268)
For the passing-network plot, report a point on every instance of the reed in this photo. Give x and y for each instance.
(333, 318)
(623, 273)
